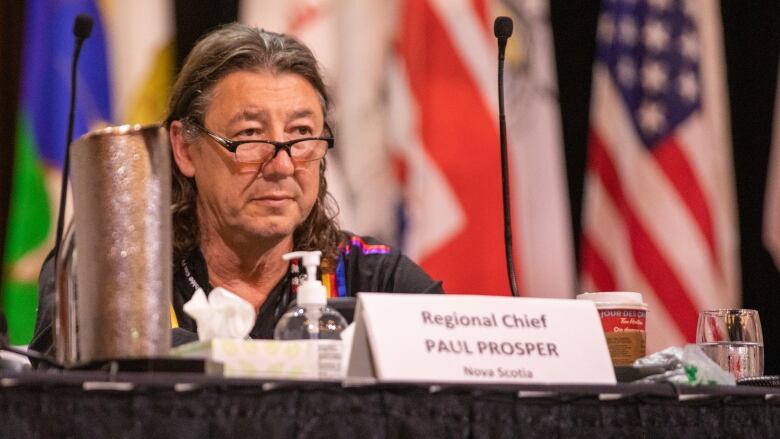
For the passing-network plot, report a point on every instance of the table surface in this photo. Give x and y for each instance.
(197, 380)
(145, 405)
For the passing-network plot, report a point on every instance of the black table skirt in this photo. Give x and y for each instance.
(89, 404)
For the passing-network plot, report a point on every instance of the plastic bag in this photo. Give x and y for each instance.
(688, 365)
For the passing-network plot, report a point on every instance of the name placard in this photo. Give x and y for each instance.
(477, 339)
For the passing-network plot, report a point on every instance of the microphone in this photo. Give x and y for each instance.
(82, 28)
(502, 29)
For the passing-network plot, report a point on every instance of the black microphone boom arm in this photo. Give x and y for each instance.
(502, 28)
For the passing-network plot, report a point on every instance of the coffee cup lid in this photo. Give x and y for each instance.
(622, 297)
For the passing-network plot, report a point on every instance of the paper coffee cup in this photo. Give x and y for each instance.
(623, 317)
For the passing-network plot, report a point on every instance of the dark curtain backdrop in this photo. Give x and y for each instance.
(752, 44)
(194, 18)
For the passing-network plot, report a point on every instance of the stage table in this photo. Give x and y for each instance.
(175, 406)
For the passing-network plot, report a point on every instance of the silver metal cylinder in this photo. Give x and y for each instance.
(66, 337)
(121, 191)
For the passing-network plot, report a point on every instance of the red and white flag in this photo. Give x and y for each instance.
(352, 41)
(443, 126)
(659, 210)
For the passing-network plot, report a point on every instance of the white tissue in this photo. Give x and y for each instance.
(220, 315)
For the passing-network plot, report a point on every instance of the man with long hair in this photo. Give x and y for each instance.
(249, 134)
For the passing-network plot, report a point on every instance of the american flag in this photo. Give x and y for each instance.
(659, 215)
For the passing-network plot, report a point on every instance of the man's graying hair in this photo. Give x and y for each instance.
(231, 48)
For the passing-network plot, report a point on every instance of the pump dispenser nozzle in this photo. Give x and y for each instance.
(310, 291)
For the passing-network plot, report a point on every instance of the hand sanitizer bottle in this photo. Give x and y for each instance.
(311, 318)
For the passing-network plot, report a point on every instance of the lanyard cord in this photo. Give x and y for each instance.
(294, 274)
(282, 300)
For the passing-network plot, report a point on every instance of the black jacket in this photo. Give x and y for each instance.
(364, 265)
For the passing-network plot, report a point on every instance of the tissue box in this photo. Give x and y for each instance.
(270, 359)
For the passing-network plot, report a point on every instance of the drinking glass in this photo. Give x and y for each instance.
(733, 339)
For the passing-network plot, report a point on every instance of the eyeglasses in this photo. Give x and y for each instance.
(305, 149)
